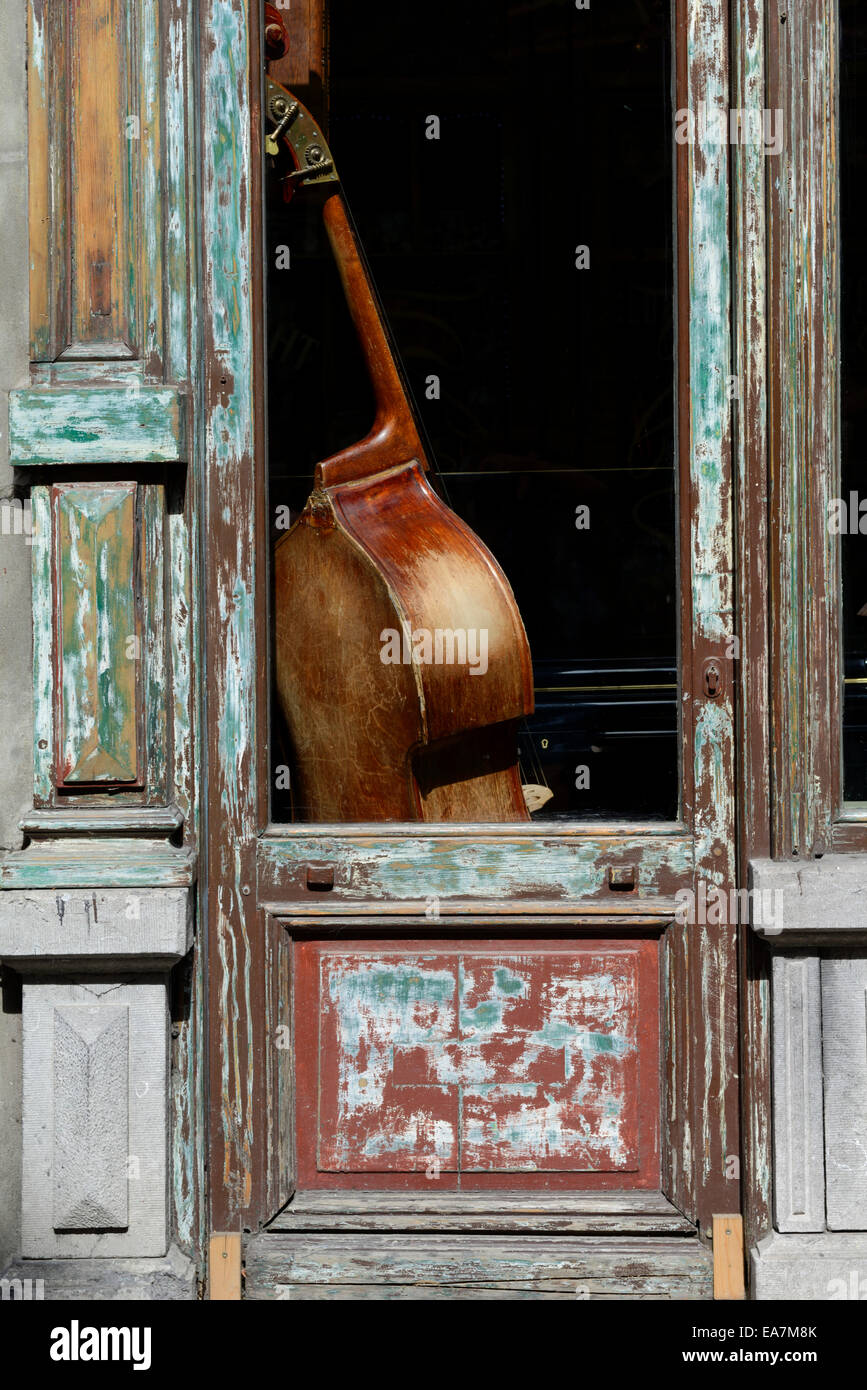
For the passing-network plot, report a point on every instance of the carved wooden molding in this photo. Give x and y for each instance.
(96, 149)
(99, 631)
(100, 639)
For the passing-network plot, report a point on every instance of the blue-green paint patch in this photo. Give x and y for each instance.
(507, 983)
(79, 436)
(69, 425)
(485, 1017)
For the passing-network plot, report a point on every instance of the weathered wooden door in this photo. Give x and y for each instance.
(415, 1026)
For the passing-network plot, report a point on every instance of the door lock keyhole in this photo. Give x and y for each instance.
(712, 680)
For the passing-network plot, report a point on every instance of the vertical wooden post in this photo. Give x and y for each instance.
(804, 447)
(230, 375)
(224, 1267)
(752, 172)
(728, 1257)
(702, 1136)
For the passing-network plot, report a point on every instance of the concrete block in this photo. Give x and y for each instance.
(138, 928)
(95, 1165)
(844, 1023)
(826, 1267)
(799, 1160)
(822, 900)
(170, 1278)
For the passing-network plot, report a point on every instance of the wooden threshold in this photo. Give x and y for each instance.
(402, 1267)
(585, 1213)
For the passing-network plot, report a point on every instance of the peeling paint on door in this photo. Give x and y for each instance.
(440, 1063)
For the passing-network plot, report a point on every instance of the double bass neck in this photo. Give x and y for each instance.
(393, 438)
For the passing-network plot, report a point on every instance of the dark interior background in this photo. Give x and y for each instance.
(853, 232)
(556, 384)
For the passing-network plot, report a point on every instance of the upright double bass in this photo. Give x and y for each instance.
(402, 664)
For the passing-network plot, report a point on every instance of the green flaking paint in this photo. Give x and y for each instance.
(413, 868)
(107, 865)
(485, 1017)
(704, 1133)
(152, 670)
(402, 986)
(508, 983)
(98, 586)
(78, 436)
(43, 672)
(69, 425)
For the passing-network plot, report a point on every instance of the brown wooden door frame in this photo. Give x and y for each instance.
(753, 741)
(250, 880)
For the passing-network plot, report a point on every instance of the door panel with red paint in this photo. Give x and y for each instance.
(523, 1064)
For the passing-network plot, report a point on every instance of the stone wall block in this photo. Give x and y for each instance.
(799, 1162)
(844, 1015)
(96, 1116)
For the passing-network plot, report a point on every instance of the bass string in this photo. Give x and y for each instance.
(538, 775)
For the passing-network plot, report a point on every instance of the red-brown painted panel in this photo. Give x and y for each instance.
(527, 1064)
